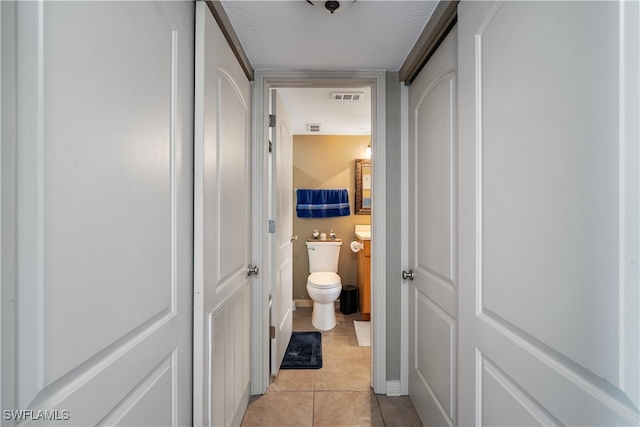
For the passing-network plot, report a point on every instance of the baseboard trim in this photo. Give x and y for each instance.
(304, 302)
(393, 388)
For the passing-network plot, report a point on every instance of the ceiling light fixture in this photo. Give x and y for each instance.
(334, 5)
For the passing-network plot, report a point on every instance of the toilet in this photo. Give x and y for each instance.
(323, 284)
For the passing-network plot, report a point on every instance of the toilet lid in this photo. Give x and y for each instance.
(323, 279)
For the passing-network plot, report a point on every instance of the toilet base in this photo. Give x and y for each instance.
(323, 316)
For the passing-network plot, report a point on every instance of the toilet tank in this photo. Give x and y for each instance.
(323, 255)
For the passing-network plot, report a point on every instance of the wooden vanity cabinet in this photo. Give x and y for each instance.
(364, 279)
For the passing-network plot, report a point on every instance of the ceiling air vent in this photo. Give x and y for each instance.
(347, 96)
(313, 127)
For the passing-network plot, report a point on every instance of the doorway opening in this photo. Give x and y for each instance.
(265, 82)
(322, 137)
(326, 158)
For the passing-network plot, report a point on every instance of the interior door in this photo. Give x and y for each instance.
(282, 181)
(222, 229)
(549, 213)
(97, 257)
(433, 237)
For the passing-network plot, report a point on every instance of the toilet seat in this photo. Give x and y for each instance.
(323, 280)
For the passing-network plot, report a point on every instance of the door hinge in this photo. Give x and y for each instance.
(272, 332)
(272, 226)
(272, 120)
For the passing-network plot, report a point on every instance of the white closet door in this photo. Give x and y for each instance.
(222, 300)
(101, 287)
(549, 219)
(433, 237)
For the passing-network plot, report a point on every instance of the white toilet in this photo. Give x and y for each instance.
(323, 284)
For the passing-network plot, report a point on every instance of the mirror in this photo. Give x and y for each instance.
(363, 187)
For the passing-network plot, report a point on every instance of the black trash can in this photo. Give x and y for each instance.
(349, 299)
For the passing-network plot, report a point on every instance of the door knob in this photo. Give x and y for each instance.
(252, 270)
(407, 275)
(294, 239)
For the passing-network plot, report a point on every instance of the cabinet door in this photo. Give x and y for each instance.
(366, 294)
(364, 280)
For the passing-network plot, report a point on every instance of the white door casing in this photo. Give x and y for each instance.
(549, 218)
(432, 237)
(100, 309)
(222, 229)
(264, 81)
(282, 185)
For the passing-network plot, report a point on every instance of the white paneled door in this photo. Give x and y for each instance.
(549, 218)
(222, 228)
(97, 261)
(282, 203)
(433, 237)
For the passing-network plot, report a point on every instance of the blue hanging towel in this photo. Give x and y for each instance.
(322, 203)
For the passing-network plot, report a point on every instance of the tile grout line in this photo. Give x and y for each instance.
(384, 423)
(313, 402)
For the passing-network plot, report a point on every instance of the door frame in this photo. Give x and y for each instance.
(271, 79)
(404, 238)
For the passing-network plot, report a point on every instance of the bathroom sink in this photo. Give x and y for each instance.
(363, 232)
(363, 235)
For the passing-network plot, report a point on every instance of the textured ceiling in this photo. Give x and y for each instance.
(315, 105)
(293, 35)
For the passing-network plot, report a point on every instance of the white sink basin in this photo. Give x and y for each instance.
(363, 232)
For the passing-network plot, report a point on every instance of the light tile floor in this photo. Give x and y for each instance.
(338, 394)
